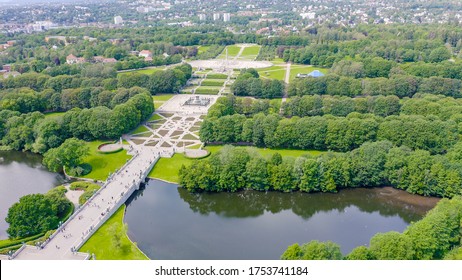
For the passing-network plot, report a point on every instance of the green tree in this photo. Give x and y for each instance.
(59, 201)
(314, 250)
(69, 155)
(440, 54)
(256, 174)
(33, 214)
(438, 232)
(293, 252)
(360, 253)
(391, 246)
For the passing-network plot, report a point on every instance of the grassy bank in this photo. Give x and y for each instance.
(110, 241)
(103, 164)
(167, 168)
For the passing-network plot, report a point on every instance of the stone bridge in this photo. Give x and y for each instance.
(70, 236)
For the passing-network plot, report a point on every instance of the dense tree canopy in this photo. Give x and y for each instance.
(33, 214)
(68, 155)
(314, 250)
(371, 165)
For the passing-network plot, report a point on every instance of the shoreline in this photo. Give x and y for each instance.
(126, 234)
(391, 191)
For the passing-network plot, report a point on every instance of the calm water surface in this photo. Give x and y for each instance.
(168, 222)
(22, 174)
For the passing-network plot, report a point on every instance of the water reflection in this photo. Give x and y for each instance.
(22, 174)
(168, 222)
(385, 201)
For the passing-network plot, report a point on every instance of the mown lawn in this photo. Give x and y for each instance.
(304, 69)
(167, 168)
(103, 243)
(145, 71)
(155, 117)
(207, 90)
(270, 152)
(103, 164)
(202, 49)
(233, 50)
(213, 82)
(278, 61)
(160, 99)
(140, 129)
(288, 153)
(274, 72)
(250, 52)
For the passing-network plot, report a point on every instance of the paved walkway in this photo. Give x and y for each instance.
(87, 219)
(286, 80)
(73, 195)
(239, 53)
(176, 131)
(69, 237)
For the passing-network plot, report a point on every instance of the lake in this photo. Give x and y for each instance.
(168, 222)
(22, 174)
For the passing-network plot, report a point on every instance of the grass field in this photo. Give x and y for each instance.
(110, 241)
(233, 50)
(103, 164)
(274, 72)
(207, 90)
(145, 71)
(304, 69)
(155, 117)
(167, 168)
(278, 61)
(202, 49)
(140, 129)
(161, 99)
(215, 83)
(217, 76)
(250, 52)
(269, 152)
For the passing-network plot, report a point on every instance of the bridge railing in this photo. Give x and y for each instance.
(118, 202)
(81, 207)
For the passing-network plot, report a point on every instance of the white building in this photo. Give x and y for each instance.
(310, 15)
(202, 17)
(216, 16)
(226, 17)
(118, 20)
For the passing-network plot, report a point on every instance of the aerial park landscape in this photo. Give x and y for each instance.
(204, 142)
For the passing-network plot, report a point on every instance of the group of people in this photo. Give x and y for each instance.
(92, 202)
